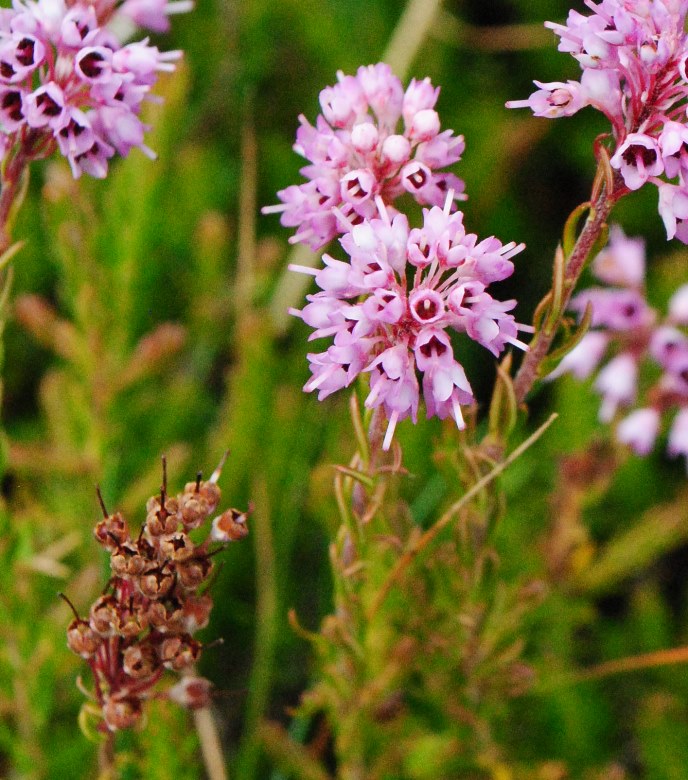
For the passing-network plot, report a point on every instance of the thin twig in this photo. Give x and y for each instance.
(422, 542)
(675, 655)
(211, 748)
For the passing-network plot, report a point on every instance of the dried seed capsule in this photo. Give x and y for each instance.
(177, 548)
(230, 526)
(191, 692)
(121, 713)
(197, 612)
(156, 582)
(104, 616)
(161, 523)
(112, 531)
(166, 617)
(132, 622)
(126, 561)
(194, 509)
(179, 652)
(140, 661)
(193, 572)
(211, 494)
(82, 639)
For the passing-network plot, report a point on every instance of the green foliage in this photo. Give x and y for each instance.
(131, 337)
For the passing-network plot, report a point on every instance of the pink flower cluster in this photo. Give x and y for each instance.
(390, 311)
(67, 82)
(630, 339)
(633, 54)
(357, 154)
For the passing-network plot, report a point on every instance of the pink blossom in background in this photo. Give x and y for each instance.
(633, 56)
(372, 140)
(629, 339)
(390, 311)
(66, 82)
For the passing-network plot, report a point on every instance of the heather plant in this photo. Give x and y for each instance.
(467, 536)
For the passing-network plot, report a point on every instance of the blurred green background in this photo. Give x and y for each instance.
(181, 241)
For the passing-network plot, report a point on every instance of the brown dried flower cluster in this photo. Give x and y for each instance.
(155, 601)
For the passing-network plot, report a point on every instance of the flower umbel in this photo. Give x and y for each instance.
(155, 601)
(391, 309)
(357, 153)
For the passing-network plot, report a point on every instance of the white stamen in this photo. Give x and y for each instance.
(276, 209)
(302, 235)
(390, 430)
(179, 7)
(448, 202)
(456, 408)
(517, 343)
(148, 152)
(303, 269)
(314, 384)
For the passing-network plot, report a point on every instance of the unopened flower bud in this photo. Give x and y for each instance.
(425, 125)
(364, 137)
(396, 149)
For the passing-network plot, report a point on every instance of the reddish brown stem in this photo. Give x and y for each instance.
(11, 183)
(589, 235)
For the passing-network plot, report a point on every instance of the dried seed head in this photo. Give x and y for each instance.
(121, 713)
(230, 526)
(132, 622)
(191, 692)
(166, 617)
(177, 548)
(82, 639)
(197, 612)
(194, 509)
(104, 616)
(206, 490)
(127, 562)
(146, 549)
(140, 661)
(193, 572)
(162, 523)
(211, 493)
(112, 531)
(156, 582)
(179, 652)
